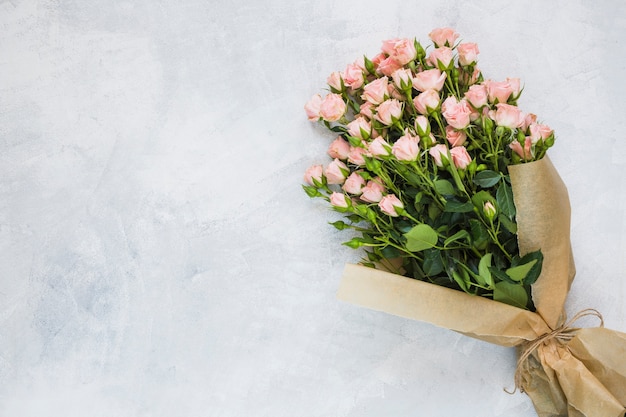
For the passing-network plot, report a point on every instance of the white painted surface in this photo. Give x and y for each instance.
(157, 255)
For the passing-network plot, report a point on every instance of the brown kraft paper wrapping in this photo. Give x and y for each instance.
(584, 376)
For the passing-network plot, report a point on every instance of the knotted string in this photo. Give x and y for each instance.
(563, 334)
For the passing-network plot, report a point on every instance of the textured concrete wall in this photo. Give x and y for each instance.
(157, 255)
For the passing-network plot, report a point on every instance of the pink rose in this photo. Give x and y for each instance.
(508, 116)
(354, 183)
(394, 92)
(460, 158)
(312, 174)
(426, 102)
(456, 113)
(376, 91)
(353, 76)
(402, 51)
(339, 148)
(389, 111)
(367, 110)
(443, 36)
(422, 125)
(402, 78)
(441, 58)
(467, 78)
(379, 147)
(406, 147)
(498, 90)
(387, 66)
(390, 204)
(338, 200)
(476, 95)
(489, 210)
(539, 131)
(360, 128)
(336, 172)
(514, 84)
(334, 81)
(333, 108)
(356, 155)
(312, 108)
(373, 191)
(468, 53)
(378, 59)
(439, 154)
(455, 137)
(529, 120)
(432, 79)
(524, 152)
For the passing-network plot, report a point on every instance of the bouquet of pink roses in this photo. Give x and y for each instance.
(446, 182)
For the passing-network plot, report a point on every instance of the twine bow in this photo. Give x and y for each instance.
(562, 334)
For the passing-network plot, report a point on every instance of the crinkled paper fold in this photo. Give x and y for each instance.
(583, 377)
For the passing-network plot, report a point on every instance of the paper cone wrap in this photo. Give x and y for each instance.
(585, 376)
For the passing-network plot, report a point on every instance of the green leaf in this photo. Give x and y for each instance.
(512, 294)
(483, 269)
(535, 270)
(504, 197)
(433, 264)
(389, 252)
(480, 235)
(487, 178)
(460, 280)
(421, 237)
(461, 234)
(518, 273)
(508, 224)
(458, 207)
(444, 187)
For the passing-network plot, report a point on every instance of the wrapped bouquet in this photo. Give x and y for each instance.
(464, 222)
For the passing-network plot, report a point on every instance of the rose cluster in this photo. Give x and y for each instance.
(423, 139)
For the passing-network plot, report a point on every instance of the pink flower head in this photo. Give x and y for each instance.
(489, 210)
(334, 81)
(456, 113)
(443, 36)
(402, 78)
(389, 111)
(501, 90)
(312, 108)
(394, 92)
(476, 95)
(426, 102)
(539, 131)
(439, 154)
(455, 137)
(373, 191)
(376, 91)
(524, 152)
(353, 76)
(367, 110)
(406, 147)
(402, 51)
(338, 200)
(529, 120)
(332, 108)
(339, 148)
(356, 155)
(388, 66)
(313, 174)
(441, 58)
(508, 116)
(390, 204)
(468, 53)
(354, 183)
(379, 147)
(460, 158)
(514, 84)
(360, 128)
(336, 172)
(432, 79)
(422, 125)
